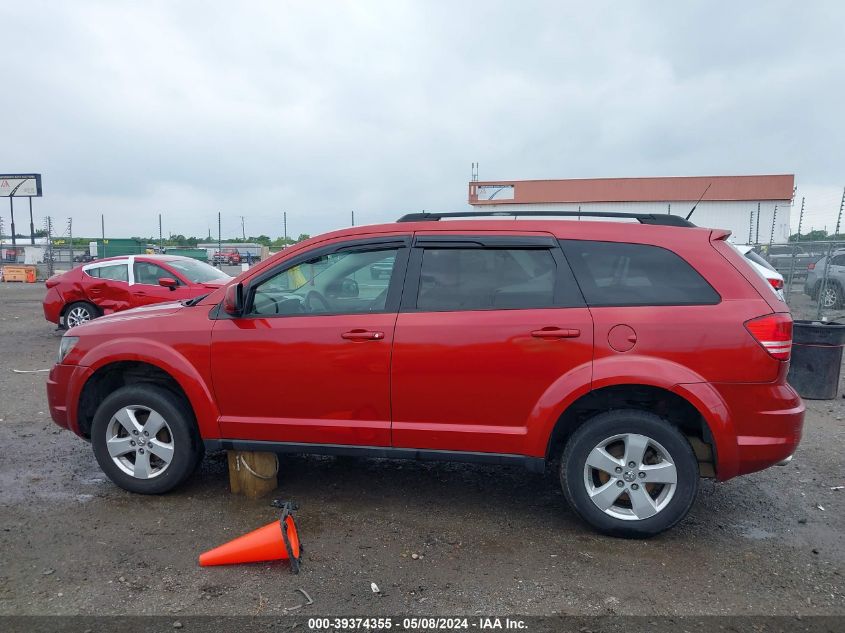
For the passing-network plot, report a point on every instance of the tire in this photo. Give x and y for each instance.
(80, 312)
(665, 447)
(177, 437)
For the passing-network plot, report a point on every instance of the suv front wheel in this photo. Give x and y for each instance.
(144, 439)
(629, 473)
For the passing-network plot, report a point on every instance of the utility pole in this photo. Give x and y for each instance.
(12, 211)
(668, 208)
(757, 236)
(243, 230)
(353, 218)
(285, 221)
(31, 225)
(103, 231)
(160, 237)
(839, 217)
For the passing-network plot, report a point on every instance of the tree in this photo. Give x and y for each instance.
(302, 237)
(264, 240)
(813, 236)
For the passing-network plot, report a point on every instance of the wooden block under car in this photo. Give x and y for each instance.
(260, 481)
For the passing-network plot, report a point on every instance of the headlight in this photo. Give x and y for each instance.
(67, 344)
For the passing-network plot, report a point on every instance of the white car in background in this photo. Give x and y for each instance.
(764, 268)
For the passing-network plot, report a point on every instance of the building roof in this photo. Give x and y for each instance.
(661, 189)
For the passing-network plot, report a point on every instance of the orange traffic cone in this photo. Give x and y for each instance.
(275, 541)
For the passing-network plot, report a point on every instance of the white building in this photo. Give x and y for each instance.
(730, 202)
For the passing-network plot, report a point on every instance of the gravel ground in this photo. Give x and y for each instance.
(435, 538)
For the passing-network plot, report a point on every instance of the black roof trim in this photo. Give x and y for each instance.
(643, 218)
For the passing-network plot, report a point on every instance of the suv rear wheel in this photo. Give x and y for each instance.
(629, 473)
(144, 440)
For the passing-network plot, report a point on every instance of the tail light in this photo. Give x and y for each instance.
(811, 266)
(777, 284)
(774, 333)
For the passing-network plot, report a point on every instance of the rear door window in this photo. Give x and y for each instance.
(620, 274)
(486, 279)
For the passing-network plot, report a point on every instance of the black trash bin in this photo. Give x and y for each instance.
(816, 358)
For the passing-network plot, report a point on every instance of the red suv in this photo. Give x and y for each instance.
(635, 357)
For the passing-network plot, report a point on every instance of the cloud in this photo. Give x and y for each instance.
(320, 108)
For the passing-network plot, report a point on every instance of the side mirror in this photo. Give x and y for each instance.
(233, 300)
(168, 282)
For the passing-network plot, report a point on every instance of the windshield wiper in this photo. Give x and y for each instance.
(192, 302)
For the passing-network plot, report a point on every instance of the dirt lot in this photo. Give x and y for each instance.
(488, 540)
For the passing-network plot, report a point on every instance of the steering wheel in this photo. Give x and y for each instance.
(311, 297)
(264, 305)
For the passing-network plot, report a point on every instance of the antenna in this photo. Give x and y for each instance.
(697, 201)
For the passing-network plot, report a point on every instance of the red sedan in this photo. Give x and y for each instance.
(120, 283)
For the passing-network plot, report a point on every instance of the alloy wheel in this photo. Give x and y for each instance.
(78, 316)
(829, 297)
(139, 442)
(630, 477)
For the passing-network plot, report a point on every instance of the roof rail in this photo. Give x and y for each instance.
(643, 218)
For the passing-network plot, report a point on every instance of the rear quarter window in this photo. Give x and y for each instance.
(115, 272)
(621, 274)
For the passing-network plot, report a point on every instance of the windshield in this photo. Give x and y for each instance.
(198, 272)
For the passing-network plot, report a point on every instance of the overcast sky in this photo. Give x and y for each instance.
(318, 108)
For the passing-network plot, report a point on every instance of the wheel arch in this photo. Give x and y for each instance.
(158, 365)
(676, 404)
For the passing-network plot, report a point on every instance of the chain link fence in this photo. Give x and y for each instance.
(813, 277)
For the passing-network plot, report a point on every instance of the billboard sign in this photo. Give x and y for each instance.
(495, 192)
(20, 185)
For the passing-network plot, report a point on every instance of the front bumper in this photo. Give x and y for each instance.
(64, 384)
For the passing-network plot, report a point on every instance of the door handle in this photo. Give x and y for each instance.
(556, 332)
(362, 335)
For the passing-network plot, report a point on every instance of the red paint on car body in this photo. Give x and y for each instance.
(478, 380)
